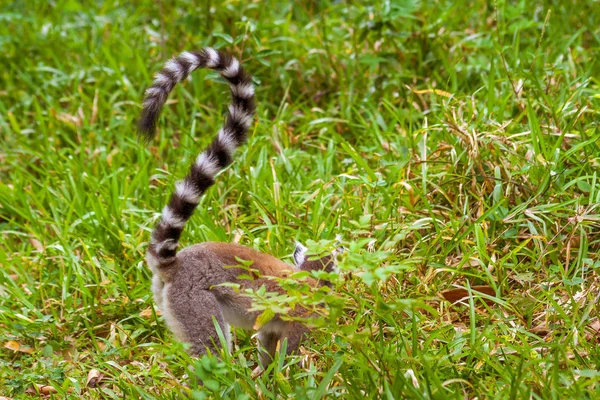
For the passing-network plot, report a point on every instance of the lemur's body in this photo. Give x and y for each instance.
(186, 283)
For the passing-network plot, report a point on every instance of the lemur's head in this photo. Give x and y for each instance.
(308, 262)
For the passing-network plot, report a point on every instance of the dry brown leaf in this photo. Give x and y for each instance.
(110, 157)
(147, 313)
(5, 398)
(94, 378)
(238, 234)
(45, 390)
(458, 294)
(74, 121)
(540, 330)
(593, 330)
(36, 244)
(16, 346)
(12, 345)
(258, 371)
(410, 190)
(434, 91)
(69, 353)
(94, 116)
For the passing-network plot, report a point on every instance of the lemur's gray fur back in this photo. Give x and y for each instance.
(218, 155)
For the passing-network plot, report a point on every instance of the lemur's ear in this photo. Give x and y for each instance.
(299, 254)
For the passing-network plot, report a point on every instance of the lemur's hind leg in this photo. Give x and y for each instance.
(193, 312)
(294, 332)
(267, 347)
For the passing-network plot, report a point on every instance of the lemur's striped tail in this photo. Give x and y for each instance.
(218, 155)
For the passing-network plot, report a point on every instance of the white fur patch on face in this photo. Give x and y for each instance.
(175, 69)
(169, 218)
(190, 58)
(212, 57)
(227, 140)
(238, 115)
(187, 192)
(243, 90)
(232, 70)
(299, 254)
(207, 165)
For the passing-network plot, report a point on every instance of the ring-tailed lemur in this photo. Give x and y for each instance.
(186, 283)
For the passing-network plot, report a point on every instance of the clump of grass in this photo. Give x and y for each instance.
(453, 145)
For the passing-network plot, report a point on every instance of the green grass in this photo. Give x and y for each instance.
(452, 144)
